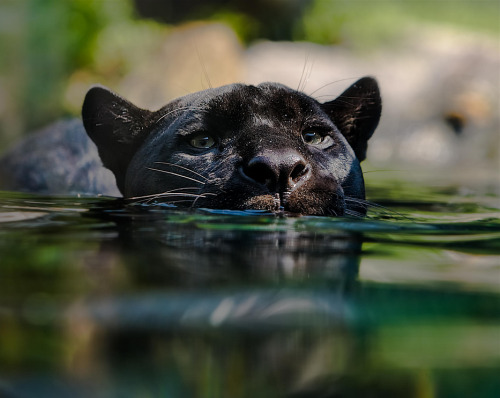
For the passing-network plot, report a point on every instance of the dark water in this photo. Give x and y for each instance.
(103, 299)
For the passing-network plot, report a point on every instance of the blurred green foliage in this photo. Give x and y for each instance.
(59, 38)
(43, 42)
(364, 23)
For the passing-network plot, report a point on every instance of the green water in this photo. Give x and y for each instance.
(103, 299)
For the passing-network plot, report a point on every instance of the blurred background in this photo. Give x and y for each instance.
(437, 62)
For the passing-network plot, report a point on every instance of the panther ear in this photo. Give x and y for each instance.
(117, 127)
(356, 113)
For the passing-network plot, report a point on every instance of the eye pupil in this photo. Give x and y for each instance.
(202, 141)
(311, 137)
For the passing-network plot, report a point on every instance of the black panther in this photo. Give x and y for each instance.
(265, 147)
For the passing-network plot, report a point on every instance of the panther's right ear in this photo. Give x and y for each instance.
(117, 127)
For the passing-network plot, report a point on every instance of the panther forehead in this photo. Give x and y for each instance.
(268, 104)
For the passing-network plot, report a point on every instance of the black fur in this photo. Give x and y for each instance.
(264, 147)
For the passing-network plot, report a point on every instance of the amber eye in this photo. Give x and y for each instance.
(202, 141)
(312, 138)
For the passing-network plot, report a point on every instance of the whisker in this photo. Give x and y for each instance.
(184, 168)
(202, 196)
(327, 96)
(178, 201)
(353, 213)
(308, 76)
(331, 83)
(332, 96)
(182, 200)
(156, 194)
(367, 204)
(186, 195)
(363, 204)
(151, 198)
(182, 108)
(343, 99)
(176, 174)
(203, 66)
(182, 189)
(305, 75)
(331, 212)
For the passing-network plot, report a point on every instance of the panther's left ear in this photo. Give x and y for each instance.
(356, 113)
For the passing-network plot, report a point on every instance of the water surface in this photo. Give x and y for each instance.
(106, 299)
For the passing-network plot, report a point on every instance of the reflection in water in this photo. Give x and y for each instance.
(235, 311)
(103, 300)
(198, 252)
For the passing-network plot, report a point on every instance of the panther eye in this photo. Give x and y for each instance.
(312, 138)
(202, 141)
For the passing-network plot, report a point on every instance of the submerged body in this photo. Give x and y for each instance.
(60, 159)
(264, 147)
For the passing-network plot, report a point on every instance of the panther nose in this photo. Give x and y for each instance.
(278, 171)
